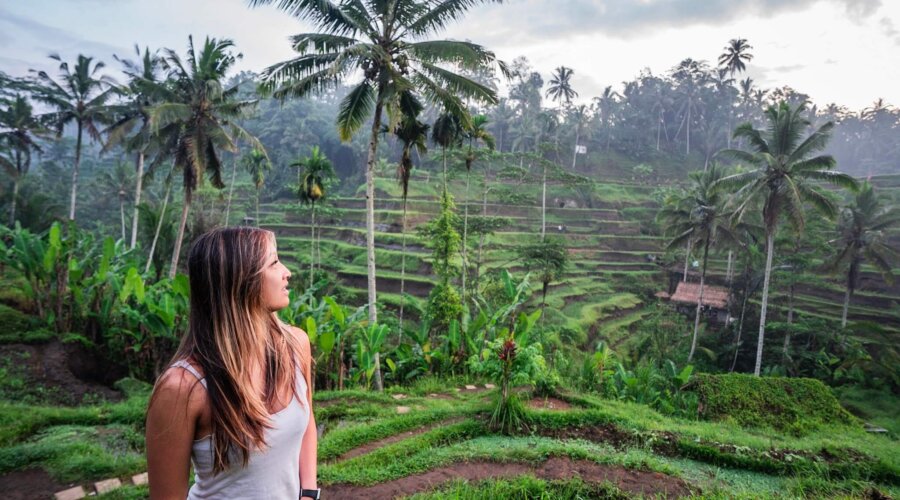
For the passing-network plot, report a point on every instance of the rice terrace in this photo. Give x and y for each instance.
(518, 278)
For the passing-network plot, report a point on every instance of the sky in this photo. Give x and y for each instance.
(841, 51)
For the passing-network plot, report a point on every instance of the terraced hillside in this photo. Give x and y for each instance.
(616, 253)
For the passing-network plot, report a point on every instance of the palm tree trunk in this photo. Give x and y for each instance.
(737, 342)
(75, 173)
(658, 129)
(465, 252)
(162, 216)
(770, 250)
(137, 197)
(312, 247)
(688, 131)
(370, 226)
(544, 202)
(730, 269)
(12, 205)
(231, 188)
(687, 260)
(257, 206)
(402, 269)
(481, 237)
(122, 212)
(575, 151)
(176, 253)
(699, 301)
(847, 294)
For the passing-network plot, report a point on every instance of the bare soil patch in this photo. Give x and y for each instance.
(634, 482)
(374, 445)
(549, 403)
(65, 371)
(28, 484)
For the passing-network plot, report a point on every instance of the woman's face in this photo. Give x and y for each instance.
(274, 280)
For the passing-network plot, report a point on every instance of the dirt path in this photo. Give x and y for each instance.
(28, 484)
(374, 445)
(557, 468)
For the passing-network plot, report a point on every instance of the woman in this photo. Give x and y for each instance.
(236, 401)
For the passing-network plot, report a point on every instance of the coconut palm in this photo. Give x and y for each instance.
(605, 105)
(388, 42)
(19, 131)
(476, 132)
(412, 134)
(198, 115)
(256, 163)
(313, 174)
(132, 129)
(735, 55)
(81, 97)
(675, 216)
(863, 228)
(784, 164)
(118, 180)
(560, 88)
(706, 225)
(446, 132)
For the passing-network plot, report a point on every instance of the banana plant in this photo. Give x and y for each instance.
(369, 344)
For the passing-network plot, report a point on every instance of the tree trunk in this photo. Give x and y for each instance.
(12, 205)
(730, 269)
(402, 269)
(312, 247)
(176, 253)
(847, 294)
(122, 212)
(658, 129)
(575, 152)
(162, 216)
(770, 250)
(137, 197)
(699, 301)
(465, 249)
(688, 131)
(231, 188)
(481, 237)
(75, 173)
(370, 226)
(737, 342)
(687, 260)
(544, 203)
(257, 206)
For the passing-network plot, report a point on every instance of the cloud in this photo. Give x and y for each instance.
(34, 41)
(528, 21)
(889, 30)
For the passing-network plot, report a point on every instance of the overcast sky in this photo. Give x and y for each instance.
(843, 51)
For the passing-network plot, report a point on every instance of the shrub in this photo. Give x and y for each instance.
(796, 405)
(13, 321)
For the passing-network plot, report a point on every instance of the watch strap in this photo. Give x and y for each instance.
(314, 494)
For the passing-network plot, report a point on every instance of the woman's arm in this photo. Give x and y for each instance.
(309, 446)
(171, 423)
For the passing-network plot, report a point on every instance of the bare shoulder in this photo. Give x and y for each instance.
(301, 336)
(178, 387)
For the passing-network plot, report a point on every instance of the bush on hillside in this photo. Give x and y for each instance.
(12, 320)
(796, 405)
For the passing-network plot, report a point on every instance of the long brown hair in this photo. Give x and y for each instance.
(231, 333)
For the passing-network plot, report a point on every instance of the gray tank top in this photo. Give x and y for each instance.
(273, 473)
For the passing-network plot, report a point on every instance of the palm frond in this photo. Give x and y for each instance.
(836, 178)
(815, 142)
(330, 17)
(168, 113)
(441, 13)
(466, 55)
(460, 85)
(354, 109)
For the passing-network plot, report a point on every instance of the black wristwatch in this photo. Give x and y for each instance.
(314, 494)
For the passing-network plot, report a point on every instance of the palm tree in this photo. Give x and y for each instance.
(706, 225)
(387, 41)
(446, 132)
(118, 180)
(140, 91)
(605, 105)
(560, 88)
(257, 164)
(736, 53)
(19, 131)
(675, 216)
(476, 132)
(580, 116)
(690, 76)
(784, 164)
(198, 115)
(313, 173)
(413, 134)
(81, 97)
(863, 228)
